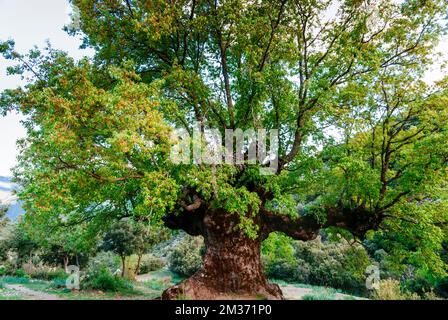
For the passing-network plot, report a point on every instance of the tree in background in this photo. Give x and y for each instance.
(146, 237)
(3, 218)
(123, 240)
(21, 243)
(3, 247)
(66, 247)
(98, 141)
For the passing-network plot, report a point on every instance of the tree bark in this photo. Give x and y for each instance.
(231, 265)
(137, 268)
(123, 265)
(66, 263)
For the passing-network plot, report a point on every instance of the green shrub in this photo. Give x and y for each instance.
(390, 289)
(150, 263)
(441, 288)
(278, 257)
(185, 258)
(281, 269)
(45, 273)
(100, 274)
(334, 264)
(104, 280)
(108, 260)
(20, 273)
(419, 285)
(7, 269)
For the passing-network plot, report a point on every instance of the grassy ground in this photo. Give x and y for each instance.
(139, 291)
(148, 286)
(300, 291)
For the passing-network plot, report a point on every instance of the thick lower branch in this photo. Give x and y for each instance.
(306, 227)
(302, 228)
(190, 222)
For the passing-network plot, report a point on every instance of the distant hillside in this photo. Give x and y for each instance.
(7, 197)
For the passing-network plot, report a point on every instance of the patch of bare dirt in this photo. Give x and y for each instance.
(31, 294)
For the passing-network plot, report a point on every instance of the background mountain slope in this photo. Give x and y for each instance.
(8, 198)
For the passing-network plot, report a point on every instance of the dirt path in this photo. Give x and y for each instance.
(291, 292)
(145, 277)
(31, 294)
(294, 293)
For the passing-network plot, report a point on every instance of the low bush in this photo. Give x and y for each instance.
(185, 258)
(150, 263)
(102, 279)
(389, 289)
(47, 273)
(7, 269)
(441, 288)
(20, 273)
(107, 260)
(29, 268)
(418, 285)
(333, 264)
(431, 295)
(3, 271)
(282, 269)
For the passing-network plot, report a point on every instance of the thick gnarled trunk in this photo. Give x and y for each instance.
(231, 266)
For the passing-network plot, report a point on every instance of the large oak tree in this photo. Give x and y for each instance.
(362, 139)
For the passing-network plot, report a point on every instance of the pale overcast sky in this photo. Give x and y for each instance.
(31, 23)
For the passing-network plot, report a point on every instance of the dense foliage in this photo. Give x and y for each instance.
(186, 256)
(339, 264)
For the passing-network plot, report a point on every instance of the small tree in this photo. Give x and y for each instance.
(20, 242)
(5, 229)
(122, 240)
(147, 237)
(60, 243)
(3, 211)
(142, 243)
(59, 251)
